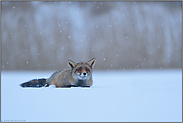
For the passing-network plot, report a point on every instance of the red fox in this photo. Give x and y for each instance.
(78, 74)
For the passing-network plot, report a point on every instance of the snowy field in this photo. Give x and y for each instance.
(138, 95)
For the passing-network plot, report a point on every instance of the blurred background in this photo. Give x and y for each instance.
(120, 35)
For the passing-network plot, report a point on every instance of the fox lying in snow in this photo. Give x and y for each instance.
(78, 74)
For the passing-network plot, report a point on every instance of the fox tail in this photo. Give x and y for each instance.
(37, 83)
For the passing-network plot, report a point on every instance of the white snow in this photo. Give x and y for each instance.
(126, 95)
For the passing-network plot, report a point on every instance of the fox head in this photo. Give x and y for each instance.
(81, 70)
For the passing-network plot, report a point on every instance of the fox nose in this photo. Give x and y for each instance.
(84, 73)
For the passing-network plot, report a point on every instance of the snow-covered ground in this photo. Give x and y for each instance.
(138, 95)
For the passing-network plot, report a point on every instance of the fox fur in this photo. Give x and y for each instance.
(77, 75)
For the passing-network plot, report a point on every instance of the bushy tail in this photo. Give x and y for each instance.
(35, 83)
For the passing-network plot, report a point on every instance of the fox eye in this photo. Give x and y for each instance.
(78, 69)
(87, 70)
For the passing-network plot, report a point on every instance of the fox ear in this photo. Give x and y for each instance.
(71, 64)
(91, 63)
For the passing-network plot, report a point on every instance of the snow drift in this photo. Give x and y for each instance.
(134, 96)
